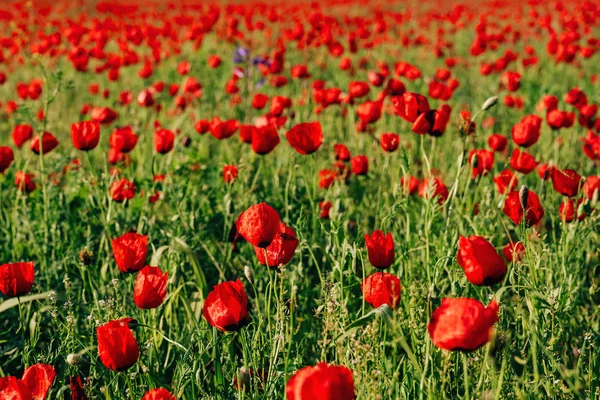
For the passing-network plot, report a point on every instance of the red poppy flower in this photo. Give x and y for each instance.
(299, 71)
(357, 90)
(410, 184)
(223, 129)
(513, 252)
(265, 139)
(439, 189)
(381, 288)
(326, 178)
(425, 122)
(49, 143)
(230, 173)
(281, 250)
(24, 182)
(389, 142)
(462, 324)
(380, 248)
(527, 131)
(484, 163)
(76, 386)
(591, 185)
(123, 139)
(130, 251)
(39, 379)
(122, 190)
(85, 135)
(225, 307)
(6, 158)
(104, 115)
(323, 382)
(506, 181)
(480, 261)
(547, 103)
(259, 101)
(158, 394)
(566, 182)
(150, 287)
(522, 161)
(164, 140)
(369, 111)
(325, 207)
(514, 210)
(497, 142)
(305, 137)
(16, 279)
(341, 152)
(569, 211)
(259, 224)
(117, 347)
(214, 61)
(21, 134)
(360, 165)
(591, 145)
(12, 388)
(410, 105)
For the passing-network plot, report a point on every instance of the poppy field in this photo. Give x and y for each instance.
(299, 200)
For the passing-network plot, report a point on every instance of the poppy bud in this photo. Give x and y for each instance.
(305, 137)
(480, 261)
(380, 248)
(130, 251)
(150, 287)
(381, 288)
(523, 195)
(281, 250)
(321, 382)
(489, 103)
(259, 224)
(85, 135)
(462, 324)
(513, 208)
(164, 140)
(225, 307)
(86, 257)
(566, 182)
(117, 347)
(249, 274)
(158, 394)
(73, 359)
(16, 279)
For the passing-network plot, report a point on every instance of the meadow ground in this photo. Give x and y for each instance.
(152, 134)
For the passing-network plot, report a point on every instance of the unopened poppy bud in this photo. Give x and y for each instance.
(132, 324)
(523, 195)
(595, 198)
(86, 256)
(73, 359)
(186, 141)
(249, 274)
(489, 103)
